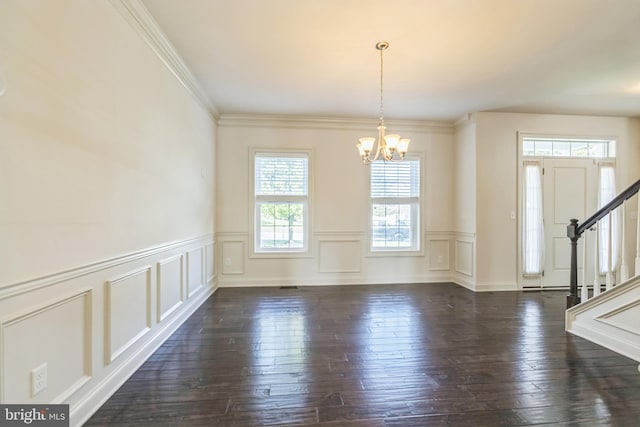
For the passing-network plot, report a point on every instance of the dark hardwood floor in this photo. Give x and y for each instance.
(402, 355)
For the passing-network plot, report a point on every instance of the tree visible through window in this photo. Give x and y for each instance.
(395, 205)
(281, 201)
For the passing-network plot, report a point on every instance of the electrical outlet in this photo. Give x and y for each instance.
(440, 259)
(227, 262)
(38, 379)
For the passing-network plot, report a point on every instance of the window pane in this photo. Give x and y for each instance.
(401, 179)
(607, 192)
(561, 149)
(281, 225)
(533, 231)
(287, 176)
(528, 147)
(544, 148)
(391, 226)
(579, 149)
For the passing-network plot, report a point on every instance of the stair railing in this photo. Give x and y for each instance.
(575, 231)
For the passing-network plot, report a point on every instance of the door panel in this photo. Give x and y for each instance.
(569, 191)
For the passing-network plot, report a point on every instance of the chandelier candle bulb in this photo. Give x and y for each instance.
(387, 145)
(403, 146)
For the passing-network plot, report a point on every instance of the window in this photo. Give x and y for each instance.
(281, 189)
(395, 205)
(533, 228)
(568, 147)
(609, 226)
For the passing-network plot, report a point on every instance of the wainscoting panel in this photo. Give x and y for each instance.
(209, 262)
(127, 311)
(170, 285)
(57, 334)
(195, 271)
(464, 257)
(339, 256)
(95, 324)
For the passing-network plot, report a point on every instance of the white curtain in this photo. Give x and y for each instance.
(533, 227)
(607, 191)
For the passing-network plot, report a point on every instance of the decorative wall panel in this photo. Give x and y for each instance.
(209, 262)
(339, 256)
(127, 311)
(57, 334)
(464, 257)
(170, 292)
(195, 271)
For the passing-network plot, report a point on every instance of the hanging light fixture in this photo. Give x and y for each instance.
(390, 147)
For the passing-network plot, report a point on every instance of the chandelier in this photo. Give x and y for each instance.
(390, 147)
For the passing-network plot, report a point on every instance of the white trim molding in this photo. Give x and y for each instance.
(318, 122)
(141, 20)
(15, 289)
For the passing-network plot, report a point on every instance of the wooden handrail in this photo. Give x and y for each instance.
(574, 231)
(604, 211)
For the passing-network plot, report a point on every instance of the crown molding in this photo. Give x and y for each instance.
(464, 121)
(141, 20)
(340, 123)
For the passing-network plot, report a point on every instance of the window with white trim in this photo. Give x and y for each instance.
(281, 190)
(568, 147)
(395, 205)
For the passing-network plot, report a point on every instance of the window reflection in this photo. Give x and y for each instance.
(393, 342)
(280, 331)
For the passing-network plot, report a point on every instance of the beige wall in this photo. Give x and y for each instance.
(103, 152)
(339, 198)
(464, 209)
(106, 201)
(496, 179)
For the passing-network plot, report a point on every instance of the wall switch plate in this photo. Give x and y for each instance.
(38, 379)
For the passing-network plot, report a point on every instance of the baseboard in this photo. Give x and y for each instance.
(496, 287)
(240, 283)
(464, 281)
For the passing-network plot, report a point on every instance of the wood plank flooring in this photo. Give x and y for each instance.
(373, 356)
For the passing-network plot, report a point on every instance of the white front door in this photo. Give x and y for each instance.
(569, 189)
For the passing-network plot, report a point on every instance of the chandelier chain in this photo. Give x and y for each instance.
(381, 90)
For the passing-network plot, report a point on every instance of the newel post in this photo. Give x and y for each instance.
(572, 233)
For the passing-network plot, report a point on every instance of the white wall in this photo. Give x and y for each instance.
(106, 201)
(465, 202)
(497, 184)
(339, 203)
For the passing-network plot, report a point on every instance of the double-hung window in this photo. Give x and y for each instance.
(395, 205)
(281, 190)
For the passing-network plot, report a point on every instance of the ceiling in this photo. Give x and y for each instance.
(446, 58)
